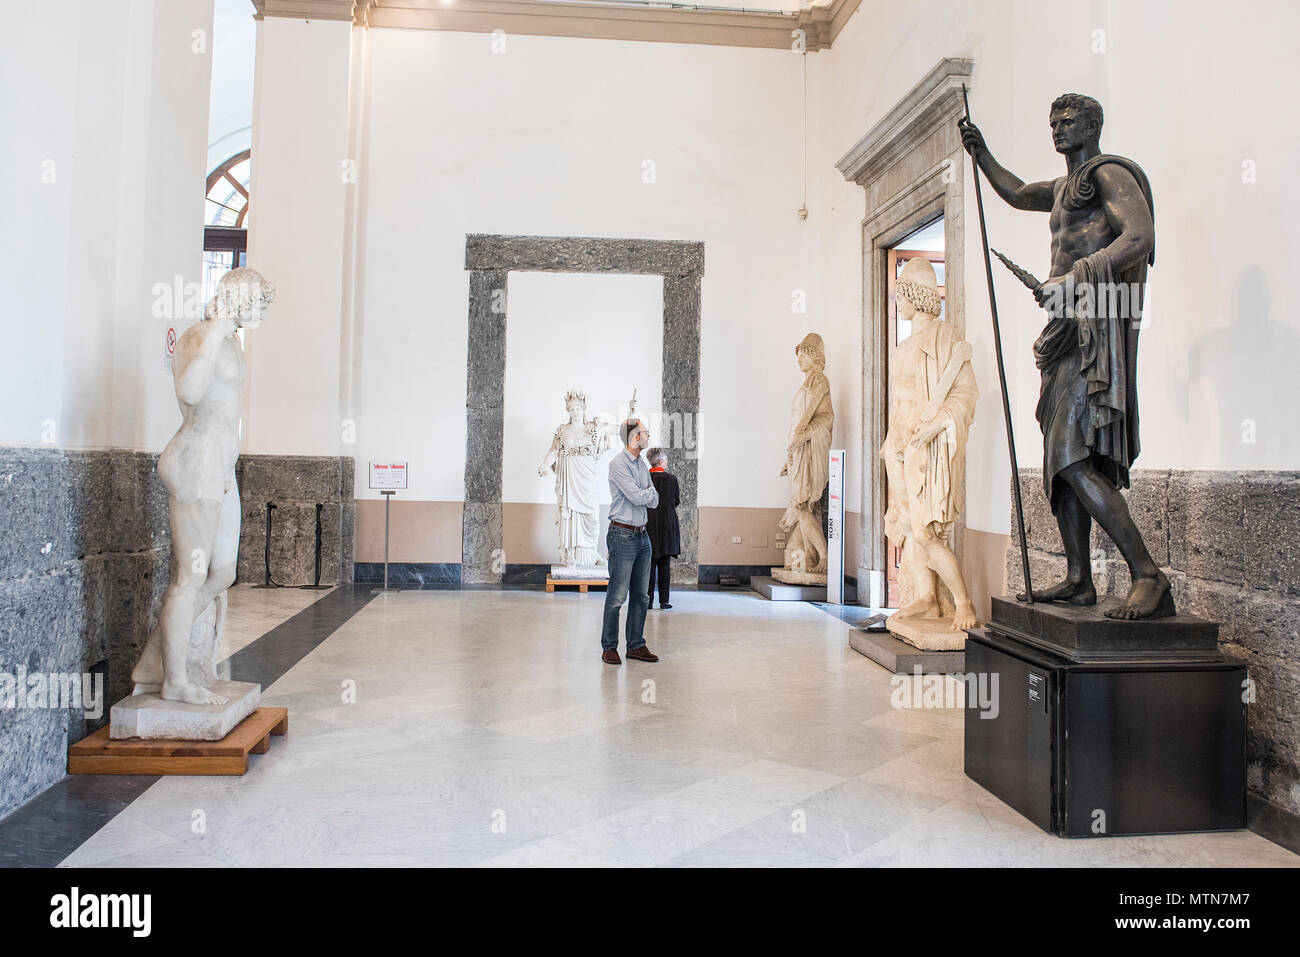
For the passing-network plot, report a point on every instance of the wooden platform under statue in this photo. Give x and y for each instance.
(99, 754)
(582, 583)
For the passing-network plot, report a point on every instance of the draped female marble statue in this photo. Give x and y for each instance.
(807, 463)
(932, 395)
(574, 452)
(197, 468)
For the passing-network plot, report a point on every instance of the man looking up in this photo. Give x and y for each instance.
(630, 491)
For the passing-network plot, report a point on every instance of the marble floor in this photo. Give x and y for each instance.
(480, 727)
(253, 612)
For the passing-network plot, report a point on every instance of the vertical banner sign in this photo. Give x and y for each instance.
(835, 531)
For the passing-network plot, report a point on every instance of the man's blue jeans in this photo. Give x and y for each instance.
(629, 573)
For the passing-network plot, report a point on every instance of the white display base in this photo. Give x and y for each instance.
(149, 716)
(928, 634)
(582, 572)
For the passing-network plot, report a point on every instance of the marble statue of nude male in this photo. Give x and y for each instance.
(198, 470)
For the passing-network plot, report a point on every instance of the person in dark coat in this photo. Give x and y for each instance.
(661, 523)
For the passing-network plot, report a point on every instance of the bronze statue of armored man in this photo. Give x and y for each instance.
(1103, 239)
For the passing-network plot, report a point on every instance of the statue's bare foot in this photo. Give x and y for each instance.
(819, 568)
(190, 694)
(147, 687)
(1148, 598)
(1068, 591)
(921, 608)
(964, 617)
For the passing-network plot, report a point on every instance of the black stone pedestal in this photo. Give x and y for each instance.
(1094, 748)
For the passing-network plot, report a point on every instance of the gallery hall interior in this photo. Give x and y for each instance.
(614, 433)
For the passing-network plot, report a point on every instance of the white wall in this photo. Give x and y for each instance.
(601, 334)
(549, 138)
(101, 179)
(300, 187)
(1190, 97)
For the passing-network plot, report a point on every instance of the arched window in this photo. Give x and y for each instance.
(225, 232)
(228, 192)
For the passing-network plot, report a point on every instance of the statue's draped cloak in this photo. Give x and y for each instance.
(925, 484)
(1087, 406)
(809, 462)
(577, 492)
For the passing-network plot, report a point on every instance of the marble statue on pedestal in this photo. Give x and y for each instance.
(177, 694)
(932, 395)
(807, 463)
(573, 455)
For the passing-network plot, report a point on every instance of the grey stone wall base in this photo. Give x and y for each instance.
(85, 539)
(1277, 824)
(1230, 543)
(296, 483)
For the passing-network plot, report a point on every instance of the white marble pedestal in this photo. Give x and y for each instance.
(585, 573)
(928, 634)
(150, 716)
(788, 576)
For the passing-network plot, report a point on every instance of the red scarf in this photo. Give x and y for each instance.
(657, 468)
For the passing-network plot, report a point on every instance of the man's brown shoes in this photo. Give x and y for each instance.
(611, 657)
(642, 654)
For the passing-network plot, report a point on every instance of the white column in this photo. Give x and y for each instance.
(300, 179)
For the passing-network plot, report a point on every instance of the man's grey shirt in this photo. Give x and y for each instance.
(630, 489)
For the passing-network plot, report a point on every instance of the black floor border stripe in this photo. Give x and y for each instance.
(48, 828)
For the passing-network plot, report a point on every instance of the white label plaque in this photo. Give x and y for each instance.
(388, 475)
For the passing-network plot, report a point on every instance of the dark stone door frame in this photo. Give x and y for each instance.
(490, 259)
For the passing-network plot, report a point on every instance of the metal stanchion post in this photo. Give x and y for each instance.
(270, 507)
(317, 586)
(388, 498)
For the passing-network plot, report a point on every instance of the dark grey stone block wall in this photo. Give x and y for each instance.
(84, 562)
(1230, 543)
(296, 483)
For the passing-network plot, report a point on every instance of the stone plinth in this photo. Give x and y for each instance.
(149, 716)
(773, 590)
(1085, 634)
(928, 634)
(580, 572)
(789, 576)
(903, 659)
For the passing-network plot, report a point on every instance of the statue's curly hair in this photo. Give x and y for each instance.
(923, 297)
(575, 394)
(238, 292)
(1088, 108)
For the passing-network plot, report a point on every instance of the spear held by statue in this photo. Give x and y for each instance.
(1002, 375)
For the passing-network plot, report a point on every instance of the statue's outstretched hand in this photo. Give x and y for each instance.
(971, 138)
